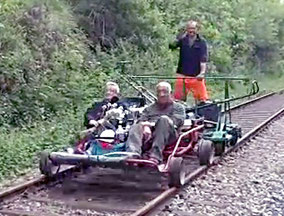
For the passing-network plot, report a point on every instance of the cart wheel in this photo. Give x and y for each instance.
(234, 140)
(45, 164)
(219, 148)
(176, 172)
(206, 152)
(236, 133)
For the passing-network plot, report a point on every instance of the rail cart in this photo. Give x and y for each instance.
(206, 132)
(189, 138)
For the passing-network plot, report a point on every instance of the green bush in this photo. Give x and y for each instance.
(46, 60)
(55, 57)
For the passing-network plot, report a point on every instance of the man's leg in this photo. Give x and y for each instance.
(134, 141)
(164, 134)
(180, 89)
(199, 89)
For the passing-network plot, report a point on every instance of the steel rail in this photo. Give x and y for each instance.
(252, 100)
(36, 181)
(202, 169)
(256, 99)
(22, 187)
(164, 195)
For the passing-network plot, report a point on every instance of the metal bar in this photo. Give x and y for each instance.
(185, 149)
(179, 140)
(174, 77)
(254, 90)
(132, 82)
(148, 97)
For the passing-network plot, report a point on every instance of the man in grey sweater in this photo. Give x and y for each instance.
(159, 123)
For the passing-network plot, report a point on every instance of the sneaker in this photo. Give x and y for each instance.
(136, 156)
(208, 102)
(155, 160)
(203, 103)
(70, 150)
(146, 156)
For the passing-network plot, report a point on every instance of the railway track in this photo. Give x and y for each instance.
(112, 192)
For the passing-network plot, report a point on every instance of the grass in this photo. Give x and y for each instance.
(20, 147)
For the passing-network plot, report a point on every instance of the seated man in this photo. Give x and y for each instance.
(98, 110)
(97, 115)
(158, 122)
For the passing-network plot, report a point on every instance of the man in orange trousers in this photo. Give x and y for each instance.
(192, 64)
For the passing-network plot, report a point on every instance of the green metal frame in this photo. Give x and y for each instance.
(224, 125)
(132, 81)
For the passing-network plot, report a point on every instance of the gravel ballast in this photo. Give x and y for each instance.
(247, 182)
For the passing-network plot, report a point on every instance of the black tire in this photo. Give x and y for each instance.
(206, 152)
(236, 133)
(219, 148)
(176, 172)
(45, 164)
(234, 140)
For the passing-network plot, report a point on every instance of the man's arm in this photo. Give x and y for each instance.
(94, 113)
(174, 45)
(145, 115)
(177, 42)
(203, 60)
(178, 114)
(203, 68)
(149, 116)
(204, 57)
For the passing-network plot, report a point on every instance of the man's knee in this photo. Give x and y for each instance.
(164, 122)
(136, 128)
(164, 119)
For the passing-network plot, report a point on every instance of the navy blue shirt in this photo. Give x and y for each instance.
(191, 56)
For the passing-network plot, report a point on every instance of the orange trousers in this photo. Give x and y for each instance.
(185, 85)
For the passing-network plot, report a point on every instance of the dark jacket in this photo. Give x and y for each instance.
(97, 111)
(190, 56)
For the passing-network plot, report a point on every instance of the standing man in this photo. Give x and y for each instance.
(192, 64)
(159, 123)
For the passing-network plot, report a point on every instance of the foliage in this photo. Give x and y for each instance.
(55, 57)
(46, 61)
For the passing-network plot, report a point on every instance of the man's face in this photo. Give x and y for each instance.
(191, 29)
(111, 91)
(163, 95)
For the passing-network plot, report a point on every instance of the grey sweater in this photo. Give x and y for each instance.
(174, 111)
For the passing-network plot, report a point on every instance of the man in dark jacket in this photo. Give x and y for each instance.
(158, 122)
(97, 112)
(192, 64)
(95, 116)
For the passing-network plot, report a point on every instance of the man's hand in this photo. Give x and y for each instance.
(200, 76)
(114, 113)
(101, 121)
(168, 118)
(147, 133)
(147, 123)
(94, 123)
